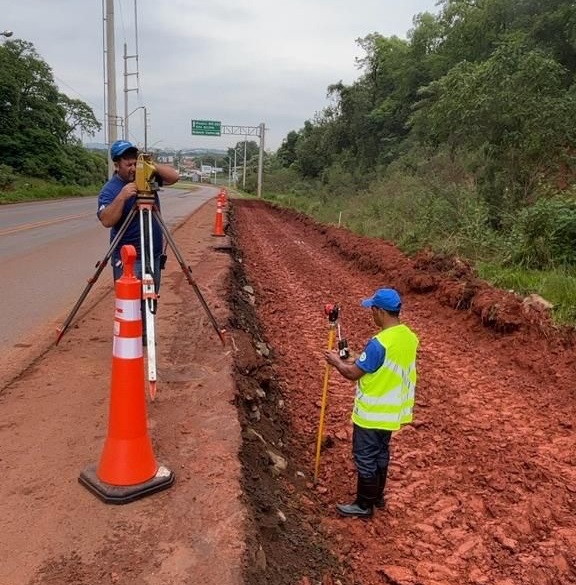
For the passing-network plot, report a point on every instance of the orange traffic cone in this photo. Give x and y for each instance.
(219, 224)
(127, 469)
(222, 196)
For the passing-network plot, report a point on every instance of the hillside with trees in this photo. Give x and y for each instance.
(460, 137)
(40, 126)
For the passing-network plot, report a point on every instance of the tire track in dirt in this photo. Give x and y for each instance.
(482, 485)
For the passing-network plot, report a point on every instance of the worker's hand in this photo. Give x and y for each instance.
(128, 191)
(332, 357)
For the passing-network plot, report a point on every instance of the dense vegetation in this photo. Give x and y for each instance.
(460, 138)
(39, 126)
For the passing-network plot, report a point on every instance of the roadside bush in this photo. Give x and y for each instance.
(280, 180)
(544, 234)
(7, 177)
(417, 212)
(338, 181)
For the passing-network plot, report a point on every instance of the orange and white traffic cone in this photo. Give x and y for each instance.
(222, 196)
(127, 469)
(219, 224)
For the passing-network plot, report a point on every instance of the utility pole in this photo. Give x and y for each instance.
(244, 172)
(111, 79)
(261, 159)
(126, 90)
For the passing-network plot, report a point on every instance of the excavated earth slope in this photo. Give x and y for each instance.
(482, 487)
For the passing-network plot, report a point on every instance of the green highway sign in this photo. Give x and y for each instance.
(206, 127)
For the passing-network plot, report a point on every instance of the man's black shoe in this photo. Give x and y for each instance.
(354, 510)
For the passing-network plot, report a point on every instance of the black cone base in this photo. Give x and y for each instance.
(114, 494)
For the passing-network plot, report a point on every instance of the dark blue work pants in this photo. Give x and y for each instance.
(371, 451)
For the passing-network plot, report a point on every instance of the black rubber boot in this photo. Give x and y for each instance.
(381, 484)
(363, 506)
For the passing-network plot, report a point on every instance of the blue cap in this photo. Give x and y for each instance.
(119, 147)
(384, 298)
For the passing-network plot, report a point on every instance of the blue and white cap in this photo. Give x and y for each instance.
(384, 298)
(120, 147)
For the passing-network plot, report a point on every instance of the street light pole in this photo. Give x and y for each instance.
(145, 125)
(6, 33)
(145, 129)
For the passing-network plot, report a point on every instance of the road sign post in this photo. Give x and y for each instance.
(206, 128)
(214, 128)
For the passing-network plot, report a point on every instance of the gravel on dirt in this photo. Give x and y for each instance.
(482, 486)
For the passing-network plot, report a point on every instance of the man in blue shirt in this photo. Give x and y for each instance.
(385, 376)
(117, 198)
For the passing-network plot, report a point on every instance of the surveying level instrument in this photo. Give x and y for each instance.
(333, 314)
(145, 206)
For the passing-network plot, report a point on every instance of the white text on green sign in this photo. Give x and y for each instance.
(206, 127)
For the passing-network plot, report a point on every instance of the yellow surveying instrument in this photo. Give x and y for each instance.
(145, 176)
(145, 204)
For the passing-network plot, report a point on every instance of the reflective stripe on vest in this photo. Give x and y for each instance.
(385, 398)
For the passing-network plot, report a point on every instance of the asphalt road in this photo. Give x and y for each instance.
(49, 250)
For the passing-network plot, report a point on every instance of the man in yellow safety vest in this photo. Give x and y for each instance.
(385, 376)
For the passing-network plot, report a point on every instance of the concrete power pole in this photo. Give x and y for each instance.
(261, 159)
(111, 79)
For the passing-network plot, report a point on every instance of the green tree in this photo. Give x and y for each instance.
(37, 122)
(513, 107)
(79, 117)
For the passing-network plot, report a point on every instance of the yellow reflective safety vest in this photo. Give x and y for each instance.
(385, 398)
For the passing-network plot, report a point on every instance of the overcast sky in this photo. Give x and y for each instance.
(240, 62)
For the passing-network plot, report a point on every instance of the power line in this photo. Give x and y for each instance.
(98, 108)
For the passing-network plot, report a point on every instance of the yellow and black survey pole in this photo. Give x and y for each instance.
(333, 313)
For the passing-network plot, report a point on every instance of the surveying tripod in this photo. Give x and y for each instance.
(145, 207)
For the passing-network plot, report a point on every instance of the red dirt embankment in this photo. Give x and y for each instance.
(482, 487)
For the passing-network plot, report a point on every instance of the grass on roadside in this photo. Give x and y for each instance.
(187, 185)
(31, 189)
(413, 222)
(556, 285)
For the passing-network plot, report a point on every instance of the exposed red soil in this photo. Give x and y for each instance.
(482, 487)
(54, 421)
